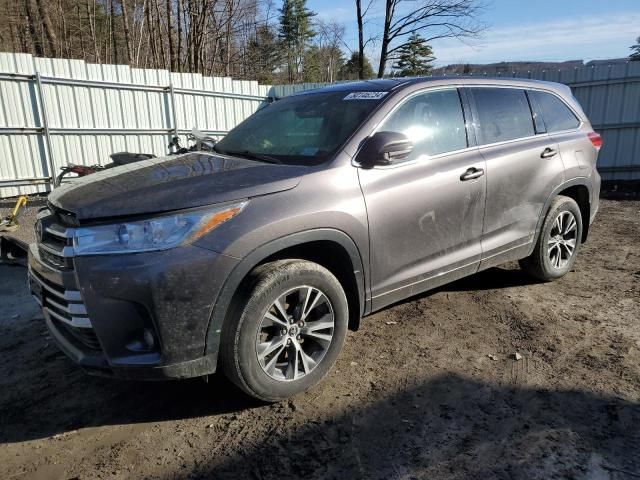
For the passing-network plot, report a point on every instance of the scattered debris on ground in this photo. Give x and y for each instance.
(440, 397)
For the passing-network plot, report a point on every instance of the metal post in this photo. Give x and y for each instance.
(44, 120)
(173, 109)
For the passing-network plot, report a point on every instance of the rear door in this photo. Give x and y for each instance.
(523, 166)
(425, 213)
(563, 127)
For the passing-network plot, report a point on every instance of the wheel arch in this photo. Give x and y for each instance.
(329, 247)
(580, 190)
(581, 194)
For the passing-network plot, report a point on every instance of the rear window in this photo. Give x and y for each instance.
(557, 116)
(503, 114)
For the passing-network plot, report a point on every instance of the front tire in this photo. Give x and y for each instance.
(286, 330)
(558, 243)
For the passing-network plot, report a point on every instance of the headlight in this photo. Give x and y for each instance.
(159, 233)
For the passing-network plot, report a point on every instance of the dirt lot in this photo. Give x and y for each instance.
(426, 389)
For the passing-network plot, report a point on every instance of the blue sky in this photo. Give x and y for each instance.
(541, 30)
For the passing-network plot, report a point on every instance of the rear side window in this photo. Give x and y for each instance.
(433, 121)
(503, 114)
(557, 116)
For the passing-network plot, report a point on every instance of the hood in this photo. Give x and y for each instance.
(172, 183)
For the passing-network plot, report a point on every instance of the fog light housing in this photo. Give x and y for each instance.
(146, 342)
(149, 338)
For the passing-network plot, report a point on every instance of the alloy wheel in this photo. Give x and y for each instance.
(563, 239)
(295, 333)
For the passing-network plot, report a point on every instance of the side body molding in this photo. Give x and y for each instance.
(223, 302)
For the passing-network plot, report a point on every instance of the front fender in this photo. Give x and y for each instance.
(255, 257)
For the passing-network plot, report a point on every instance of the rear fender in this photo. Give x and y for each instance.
(583, 181)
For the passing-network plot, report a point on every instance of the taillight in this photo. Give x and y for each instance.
(596, 139)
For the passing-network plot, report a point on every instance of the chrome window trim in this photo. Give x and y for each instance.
(537, 135)
(458, 86)
(420, 159)
(515, 140)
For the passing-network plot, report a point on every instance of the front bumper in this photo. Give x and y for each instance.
(99, 308)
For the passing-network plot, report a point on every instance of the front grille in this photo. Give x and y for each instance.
(86, 336)
(55, 240)
(66, 309)
(54, 260)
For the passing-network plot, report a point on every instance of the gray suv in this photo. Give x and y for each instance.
(316, 211)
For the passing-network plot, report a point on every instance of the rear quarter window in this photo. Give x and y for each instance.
(503, 114)
(557, 116)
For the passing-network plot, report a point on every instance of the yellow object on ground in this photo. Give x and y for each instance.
(10, 222)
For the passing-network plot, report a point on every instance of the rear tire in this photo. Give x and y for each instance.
(558, 243)
(286, 329)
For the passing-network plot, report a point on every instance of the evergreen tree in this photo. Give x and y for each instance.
(635, 51)
(414, 58)
(295, 32)
(322, 64)
(351, 69)
(263, 53)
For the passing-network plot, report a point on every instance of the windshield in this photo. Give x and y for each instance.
(303, 129)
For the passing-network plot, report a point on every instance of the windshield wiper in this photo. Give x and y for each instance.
(250, 155)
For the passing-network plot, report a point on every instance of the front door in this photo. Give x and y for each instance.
(425, 213)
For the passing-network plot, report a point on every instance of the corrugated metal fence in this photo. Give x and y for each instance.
(55, 111)
(610, 96)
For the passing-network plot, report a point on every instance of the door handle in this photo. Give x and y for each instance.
(472, 173)
(548, 152)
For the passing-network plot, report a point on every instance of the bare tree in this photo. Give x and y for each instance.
(142, 20)
(433, 19)
(212, 37)
(179, 10)
(172, 53)
(360, 16)
(48, 28)
(362, 43)
(63, 47)
(127, 35)
(37, 46)
(92, 28)
(80, 30)
(328, 40)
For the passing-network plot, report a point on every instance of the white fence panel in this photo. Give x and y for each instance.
(57, 111)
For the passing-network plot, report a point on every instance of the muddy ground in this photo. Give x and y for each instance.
(426, 389)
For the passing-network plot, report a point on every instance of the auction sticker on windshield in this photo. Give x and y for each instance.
(365, 96)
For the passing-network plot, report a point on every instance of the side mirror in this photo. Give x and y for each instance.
(384, 148)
